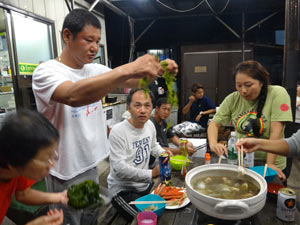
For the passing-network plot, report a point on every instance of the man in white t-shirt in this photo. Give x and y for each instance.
(68, 91)
(131, 143)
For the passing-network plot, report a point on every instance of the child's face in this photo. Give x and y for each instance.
(40, 165)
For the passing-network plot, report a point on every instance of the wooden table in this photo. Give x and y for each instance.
(189, 215)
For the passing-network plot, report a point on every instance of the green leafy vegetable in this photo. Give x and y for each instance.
(144, 83)
(170, 80)
(84, 195)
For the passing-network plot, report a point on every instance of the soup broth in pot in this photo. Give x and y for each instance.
(225, 187)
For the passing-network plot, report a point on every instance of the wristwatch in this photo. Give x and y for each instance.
(201, 113)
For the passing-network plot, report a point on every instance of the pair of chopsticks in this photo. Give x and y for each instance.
(181, 160)
(199, 147)
(220, 157)
(146, 202)
(265, 170)
(241, 156)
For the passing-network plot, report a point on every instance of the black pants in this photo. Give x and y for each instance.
(121, 200)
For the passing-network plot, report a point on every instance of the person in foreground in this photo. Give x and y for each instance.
(256, 109)
(28, 142)
(131, 143)
(68, 91)
(289, 147)
(163, 132)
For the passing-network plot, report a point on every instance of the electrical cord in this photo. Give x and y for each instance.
(213, 11)
(178, 10)
(200, 3)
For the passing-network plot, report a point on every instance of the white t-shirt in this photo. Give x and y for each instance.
(297, 116)
(83, 137)
(130, 150)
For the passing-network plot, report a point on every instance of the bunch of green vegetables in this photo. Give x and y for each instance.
(169, 79)
(84, 195)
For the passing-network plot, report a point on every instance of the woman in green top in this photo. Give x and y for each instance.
(256, 109)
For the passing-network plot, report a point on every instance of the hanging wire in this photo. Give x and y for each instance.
(178, 10)
(224, 7)
(209, 6)
(200, 3)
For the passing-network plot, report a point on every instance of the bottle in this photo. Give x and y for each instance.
(183, 147)
(207, 158)
(165, 169)
(232, 153)
(249, 160)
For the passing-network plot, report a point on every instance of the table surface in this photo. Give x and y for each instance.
(189, 215)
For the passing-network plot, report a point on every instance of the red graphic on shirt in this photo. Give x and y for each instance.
(88, 111)
(284, 107)
(95, 109)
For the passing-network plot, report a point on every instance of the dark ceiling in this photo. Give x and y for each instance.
(154, 9)
(173, 28)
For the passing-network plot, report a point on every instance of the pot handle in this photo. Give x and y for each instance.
(232, 207)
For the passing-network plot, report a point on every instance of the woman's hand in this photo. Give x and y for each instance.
(219, 149)
(53, 217)
(280, 174)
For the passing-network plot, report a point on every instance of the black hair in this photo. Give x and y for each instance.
(22, 136)
(77, 19)
(256, 71)
(196, 86)
(162, 101)
(132, 91)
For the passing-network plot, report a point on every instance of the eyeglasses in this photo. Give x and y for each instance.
(50, 161)
(54, 158)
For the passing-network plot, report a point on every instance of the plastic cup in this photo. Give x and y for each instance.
(146, 218)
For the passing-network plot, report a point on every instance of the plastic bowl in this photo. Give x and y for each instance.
(270, 174)
(177, 161)
(151, 197)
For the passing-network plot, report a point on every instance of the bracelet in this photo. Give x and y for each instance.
(201, 113)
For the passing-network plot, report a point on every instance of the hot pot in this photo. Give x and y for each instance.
(225, 208)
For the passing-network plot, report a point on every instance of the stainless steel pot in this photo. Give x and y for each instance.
(224, 208)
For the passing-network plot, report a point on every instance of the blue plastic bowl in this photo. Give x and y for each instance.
(151, 197)
(270, 174)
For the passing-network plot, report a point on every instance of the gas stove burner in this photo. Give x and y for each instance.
(204, 219)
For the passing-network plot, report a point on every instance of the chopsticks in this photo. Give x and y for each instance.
(241, 169)
(146, 202)
(181, 160)
(265, 170)
(200, 146)
(220, 159)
